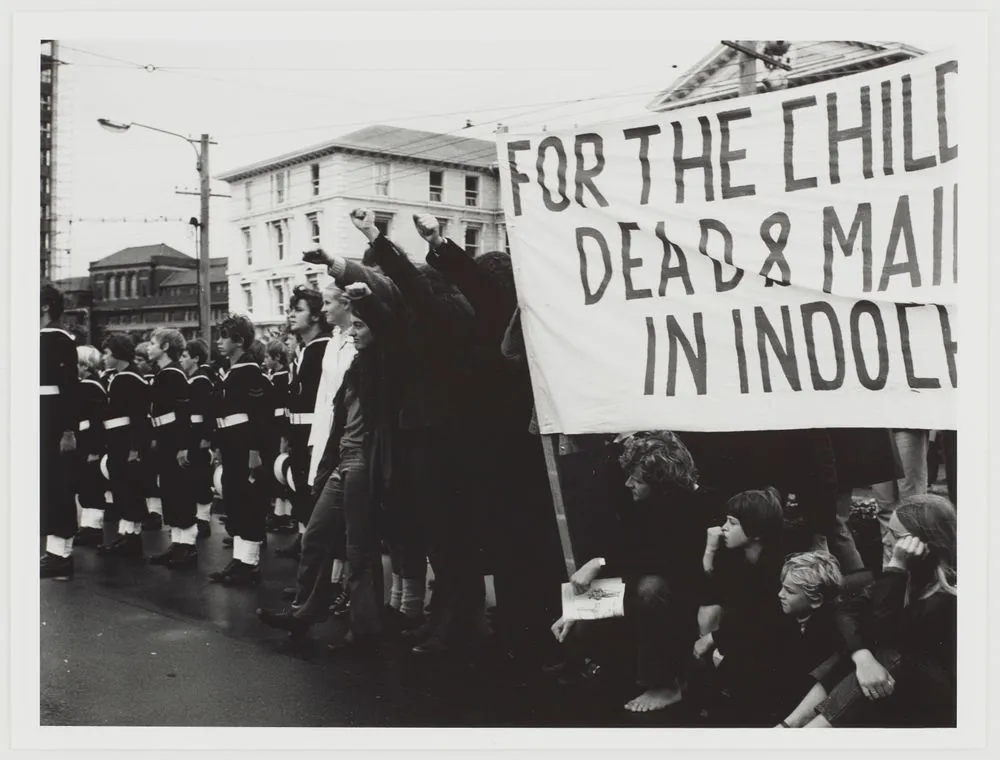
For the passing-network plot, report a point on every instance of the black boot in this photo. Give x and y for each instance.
(342, 602)
(204, 528)
(127, 545)
(163, 558)
(184, 554)
(57, 568)
(237, 573)
(284, 620)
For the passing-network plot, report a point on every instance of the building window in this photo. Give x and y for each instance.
(48, 157)
(248, 245)
(312, 222)
(47, 75)
(248, 297)
(382, 223)
(132, 292)
(248, 193)
(279, 297)
(472, 235)
(279, 237)
(471, 190)
(382, 179)
(314, 172)
(443, 226)
(279, 186)
(436, 186)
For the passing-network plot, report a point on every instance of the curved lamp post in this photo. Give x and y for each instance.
(200, 148)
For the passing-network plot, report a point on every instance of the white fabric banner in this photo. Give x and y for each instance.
(786, 260)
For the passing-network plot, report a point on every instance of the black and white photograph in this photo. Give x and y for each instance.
(455, 369)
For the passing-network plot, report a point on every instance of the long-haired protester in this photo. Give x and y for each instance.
(901, 635)
(658, 555)
(349, 486)
(437, 504)
(126, 433)
(201, 427)
(57, 436)
(169, 412)
(522, 538)
(243, 419)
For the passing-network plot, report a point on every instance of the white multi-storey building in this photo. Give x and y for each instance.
(301, 200)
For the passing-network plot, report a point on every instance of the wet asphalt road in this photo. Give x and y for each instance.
(129, 644)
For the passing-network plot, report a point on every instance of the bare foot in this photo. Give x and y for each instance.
(655, 699)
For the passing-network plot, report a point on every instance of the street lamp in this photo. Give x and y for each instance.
(201, 154)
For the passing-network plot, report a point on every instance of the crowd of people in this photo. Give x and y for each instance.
(396, 417)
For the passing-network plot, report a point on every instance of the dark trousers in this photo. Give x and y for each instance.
(175, 489)
(58, 512)
(657, 633)
(129, 481)
(298, 454)
(342, 524)
(417, 487)
(522, 539)
(199, 476)
(246, 502)
(88, 482)
(455, 531)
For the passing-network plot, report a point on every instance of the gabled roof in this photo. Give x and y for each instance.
(387, 141)
(216, 273)
(141, 254)
(716, 76)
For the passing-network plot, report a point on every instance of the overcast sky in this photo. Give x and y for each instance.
(260, 99)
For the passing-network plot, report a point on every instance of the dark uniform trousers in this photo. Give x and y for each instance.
(298, 455)
(58, 516)
(175, 491)
(246, 501)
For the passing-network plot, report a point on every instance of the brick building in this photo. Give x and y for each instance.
(138, 289)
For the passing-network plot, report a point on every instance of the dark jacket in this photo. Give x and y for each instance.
(864, 456)
(370, 377)
(665, 536)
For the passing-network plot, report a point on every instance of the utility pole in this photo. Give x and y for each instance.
(748, 69)
(204, 267)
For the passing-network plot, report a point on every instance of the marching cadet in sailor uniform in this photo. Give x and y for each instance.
(57, 436)
(168, 412)
(151, 489)
(92, 401)
(244, 419)
(307, 320)
(276, 365)
(126, 434)
(194, 362)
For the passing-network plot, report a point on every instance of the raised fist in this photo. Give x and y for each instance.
(429, 228)
(364, 220)
(907, 549)
(357, 290)
(317, 256)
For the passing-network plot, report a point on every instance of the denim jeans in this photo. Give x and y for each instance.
(342, 524)
(912, 448)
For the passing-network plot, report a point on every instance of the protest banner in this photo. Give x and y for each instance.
(785, 260)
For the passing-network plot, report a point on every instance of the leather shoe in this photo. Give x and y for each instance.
(204, 529)
(184, 554)
(227, 541)
(88, 537)
(342, 603)
(283, 620)
(422, 631)
(57, 568)
(163, 558)
(237, 573)
(127, 545)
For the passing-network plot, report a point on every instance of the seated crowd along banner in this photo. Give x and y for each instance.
(786, 260)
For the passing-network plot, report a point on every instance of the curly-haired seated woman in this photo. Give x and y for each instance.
(659, 557)
(901, 635)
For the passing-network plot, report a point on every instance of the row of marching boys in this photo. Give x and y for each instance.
(405, 424)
